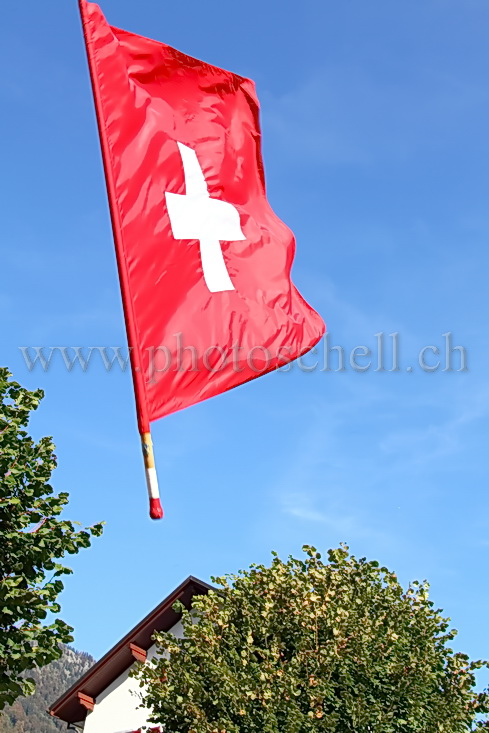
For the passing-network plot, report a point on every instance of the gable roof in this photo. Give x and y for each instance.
(69, 707)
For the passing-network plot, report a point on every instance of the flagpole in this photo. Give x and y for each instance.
(155, 508)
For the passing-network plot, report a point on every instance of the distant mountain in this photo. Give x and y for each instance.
(29, 714)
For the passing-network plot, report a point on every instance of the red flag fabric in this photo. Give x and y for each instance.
(204, 262)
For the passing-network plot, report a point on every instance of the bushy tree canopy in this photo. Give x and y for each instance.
(32, 541)
(305, 646)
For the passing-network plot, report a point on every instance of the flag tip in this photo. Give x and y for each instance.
(155, 509)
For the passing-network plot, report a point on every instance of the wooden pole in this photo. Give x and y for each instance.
(156, 511)
(155, 508)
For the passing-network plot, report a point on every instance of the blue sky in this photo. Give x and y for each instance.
(375, 122)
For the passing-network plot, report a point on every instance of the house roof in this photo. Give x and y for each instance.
(69, 706)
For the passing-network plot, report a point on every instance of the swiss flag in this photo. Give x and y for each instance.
(203, 260)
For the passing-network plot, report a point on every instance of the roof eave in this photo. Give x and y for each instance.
(119, 658)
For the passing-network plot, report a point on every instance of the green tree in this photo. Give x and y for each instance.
(303, 646)
(33, 539)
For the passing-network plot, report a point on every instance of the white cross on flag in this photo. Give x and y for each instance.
(198, 216)
(204, 262)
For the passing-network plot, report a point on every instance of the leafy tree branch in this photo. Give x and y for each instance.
(305, 646)
(33, 540)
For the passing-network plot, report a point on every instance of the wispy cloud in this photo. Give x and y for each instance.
(348, 116)
(335, 517)
(443, 437)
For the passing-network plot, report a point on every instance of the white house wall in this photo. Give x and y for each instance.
(117, 708)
